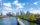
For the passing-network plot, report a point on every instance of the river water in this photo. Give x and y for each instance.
(28, 23)
(8, 21)
(13, 21)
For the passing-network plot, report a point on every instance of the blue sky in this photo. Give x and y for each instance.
(24, 5)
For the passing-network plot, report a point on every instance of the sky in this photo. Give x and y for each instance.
(33, 6)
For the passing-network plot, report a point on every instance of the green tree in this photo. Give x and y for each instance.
(31, 17)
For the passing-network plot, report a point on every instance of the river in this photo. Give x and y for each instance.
(13, 21)
(8, 21)
(28, 23)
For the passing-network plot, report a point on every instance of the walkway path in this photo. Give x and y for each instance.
(20, 22)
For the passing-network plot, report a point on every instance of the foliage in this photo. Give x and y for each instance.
(37, 15)
(31, 17)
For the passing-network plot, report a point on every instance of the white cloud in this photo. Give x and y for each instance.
(15, 2)
(20, 5)
(7, 8)
(25, 12)
(7, 4)
(4, 12)
(31, 8)
(35, 3)
(0, 0)
(35, 11)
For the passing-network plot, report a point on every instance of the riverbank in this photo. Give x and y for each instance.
(34, 21)
(3, 16)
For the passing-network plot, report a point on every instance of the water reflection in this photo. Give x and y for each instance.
(32, 23)
(29, 23)
(8, 21)
(13, 21)
(0, 21)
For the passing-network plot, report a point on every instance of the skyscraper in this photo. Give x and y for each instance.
(28, 13)
(22, 13)
(0, 7)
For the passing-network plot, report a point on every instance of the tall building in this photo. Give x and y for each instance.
(17, 13)
(22, 13)
(9, 14)
(0, 7)
(28, 13)
(13, 14)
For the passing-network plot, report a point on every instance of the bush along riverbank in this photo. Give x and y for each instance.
(30, 18)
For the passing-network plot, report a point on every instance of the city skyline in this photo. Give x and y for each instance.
(33, 6)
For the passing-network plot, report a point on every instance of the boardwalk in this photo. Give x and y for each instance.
(20, 22)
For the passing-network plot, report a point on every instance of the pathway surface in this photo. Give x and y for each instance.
(20, 22)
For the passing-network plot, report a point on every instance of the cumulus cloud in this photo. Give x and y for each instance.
(20, 5)
(0, 0)
(4, 12)
(31, 8)
(35, 3)
(15, 2)
(7, 4)
(35, 11)
(8, 9)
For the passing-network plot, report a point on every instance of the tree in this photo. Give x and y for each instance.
(31, 17)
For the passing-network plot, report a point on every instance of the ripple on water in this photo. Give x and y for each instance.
(8, 21)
